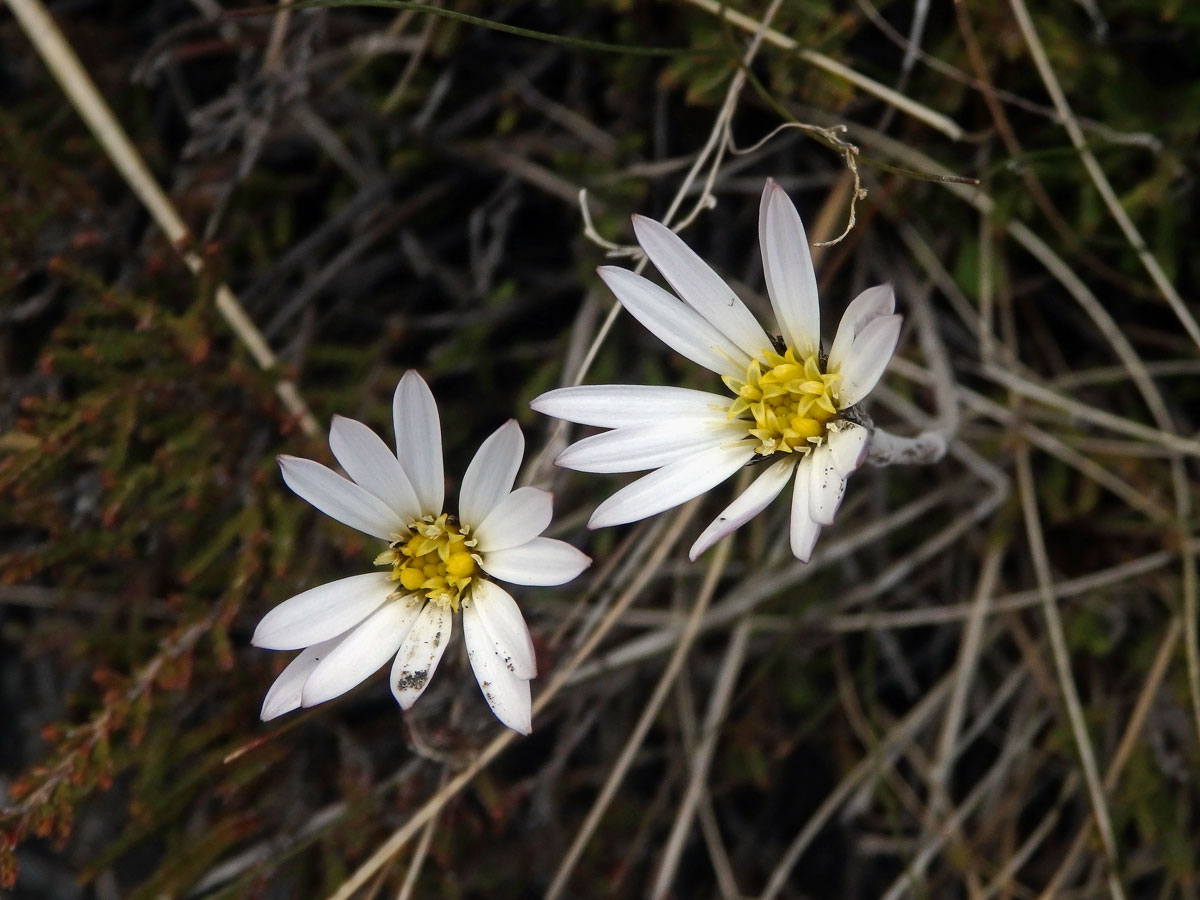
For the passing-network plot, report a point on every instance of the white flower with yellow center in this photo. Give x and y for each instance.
(436, 565)
(791, 403)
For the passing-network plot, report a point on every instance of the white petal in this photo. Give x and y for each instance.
(699, 286)
(491, 473)
(804, 530)
(419, 440)
(285, 693)
(848, 442)
(541, 561)
(787, 265)
(420, 653)
(506, 694)
(750, 503)
(371, 463)
(671, 485)
(362, 652)
(339, 498)
(614, 405)
(518, 517)
(865, 308)
(648, 445)
(674, 323)
(323, 612)
(827, 488)
(505, 626)
(868, 357)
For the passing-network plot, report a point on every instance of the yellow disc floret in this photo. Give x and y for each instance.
(790, 400)
(434, 558)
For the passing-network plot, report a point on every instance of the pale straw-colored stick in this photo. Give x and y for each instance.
(1066, 679)
(64, 64)
(701, 759)
(932, 118)
(1129, 740)
(1099, 179)
(969, 653)
(691, 629)
(279, 29)
(561, 678)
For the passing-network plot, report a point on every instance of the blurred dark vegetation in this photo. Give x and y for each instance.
(400, 191)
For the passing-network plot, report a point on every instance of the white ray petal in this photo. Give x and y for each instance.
(420, 654)
(827, 488)
(339, 498)
(419, 441)
(615, 405)
(674, 323)
(518, 517)
(506, 694)
(749, 503)
(491, 473)
(671, 485)
(648, 445)
(505, 626)
(286, 692)
(541, 561)
(867, 359)
(871, 304)
(787, 265)
(848, 443)
(373, 465)
(699, 286)
(361, 653)
(323, 612)
(804, 531)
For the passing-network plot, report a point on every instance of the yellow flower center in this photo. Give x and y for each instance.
(433, 558)
(790, 400)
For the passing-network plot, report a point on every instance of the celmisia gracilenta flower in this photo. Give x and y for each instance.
(435, 564)
(791, 403)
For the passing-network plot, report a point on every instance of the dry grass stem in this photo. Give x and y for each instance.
(1068, 692)
(62, 61)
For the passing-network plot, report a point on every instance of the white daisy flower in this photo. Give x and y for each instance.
(435, 566)
(791, 403)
